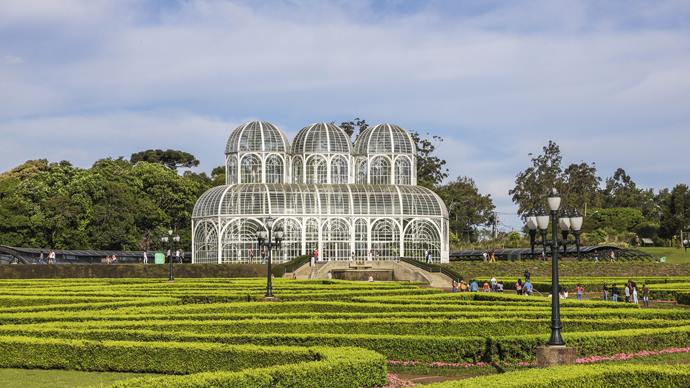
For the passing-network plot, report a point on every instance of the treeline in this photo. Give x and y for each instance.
(115, 204)
(616, 208)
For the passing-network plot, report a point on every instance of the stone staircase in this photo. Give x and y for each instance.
(401, 271)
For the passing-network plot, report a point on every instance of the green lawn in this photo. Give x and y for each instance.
(23, 378)
(673, 255)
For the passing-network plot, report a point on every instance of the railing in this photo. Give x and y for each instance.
(432, 268)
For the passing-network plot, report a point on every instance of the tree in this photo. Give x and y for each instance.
(469, 209)
(621, 191)
(173, 159)
(357, 124)
(579, 186)
(431, 170)
(674, 208)
(534, 184)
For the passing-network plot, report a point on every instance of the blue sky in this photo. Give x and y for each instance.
(608, 81)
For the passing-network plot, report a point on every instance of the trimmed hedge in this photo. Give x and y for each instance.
(342, 367)
(583, 376)
(36, 271)
(482, 327)
(309, 367)
(407, 347)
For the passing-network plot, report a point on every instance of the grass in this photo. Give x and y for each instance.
(673, 255)
(39, 378)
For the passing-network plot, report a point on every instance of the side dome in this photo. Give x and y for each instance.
(323, 138)
(257, 136)
(384, 139)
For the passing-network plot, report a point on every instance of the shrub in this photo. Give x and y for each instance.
(583, 376)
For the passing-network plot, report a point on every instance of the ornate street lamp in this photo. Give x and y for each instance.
(554, 202)
(170, 239)
(543, 223)
(269, 241)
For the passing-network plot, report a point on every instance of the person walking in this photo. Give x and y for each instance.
(614, 293)
(145, 258)
(352, 256)
(51, 257)
(493, 284)
(454, 286)
(41, 258)
(315, 254)
(486, 287)
(634, 293)
(518, 286)
(485, 256)
(370, 256)
(627, 293)
(606, 293)
(527, 275)
(645, 295)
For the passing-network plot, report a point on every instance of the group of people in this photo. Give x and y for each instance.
(629, 291)
(491, 285)
(51, 258)
(489, 256)
(110, 259)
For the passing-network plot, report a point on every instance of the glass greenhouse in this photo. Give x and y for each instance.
(348, 201)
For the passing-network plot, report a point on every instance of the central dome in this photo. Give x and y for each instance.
(325, 138)
(257, 136)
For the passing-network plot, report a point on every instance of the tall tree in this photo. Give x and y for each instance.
(674, 206)
(622, 191)
(431, 170)
(173, 159)
(579, 186)
(534, 184)
(469, 209)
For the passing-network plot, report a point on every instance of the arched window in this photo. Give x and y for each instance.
(336, 240)
(274, 169)
(316, 170)
(205, 243)
(311, 230)
(403, 170)
(251, 169)
(291, 246)
(385, 240)
(421, 237)
(339, 170)
(361, 171)
(380, 171)
(239, 242)
(361, 237)
(297, 176)
(231, 170)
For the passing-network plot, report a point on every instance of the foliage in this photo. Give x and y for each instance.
(582, 377)
(468, 208)
(620, 219)
(357, 125)
(173, 159)
(112, 205)
(431, 170)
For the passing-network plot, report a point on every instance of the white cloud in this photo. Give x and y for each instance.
(603, 81)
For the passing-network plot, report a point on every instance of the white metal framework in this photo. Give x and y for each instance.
(349, 202)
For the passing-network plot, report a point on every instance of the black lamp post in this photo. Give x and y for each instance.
(571, 223)
(170, 239)
(266, 239)
(554, 202)
(532, 229)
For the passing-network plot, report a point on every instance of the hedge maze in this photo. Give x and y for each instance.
(218, 332)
